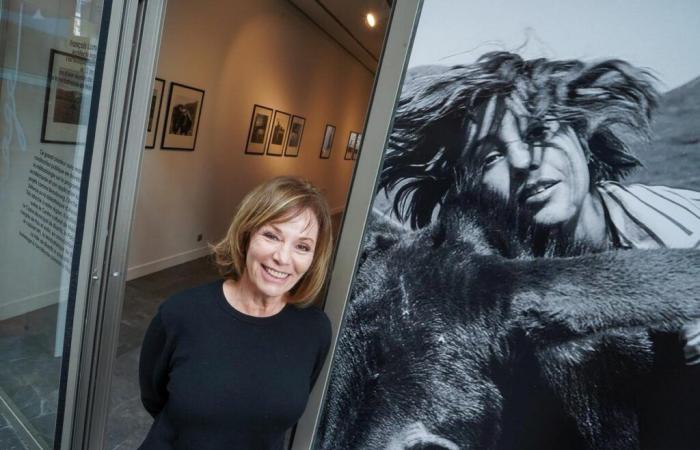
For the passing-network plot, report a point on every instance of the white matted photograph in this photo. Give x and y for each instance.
(182, 117)
(154, 112)
(67, 102)
(327, 144)
(278, 133)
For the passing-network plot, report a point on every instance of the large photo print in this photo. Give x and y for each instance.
(542, 179)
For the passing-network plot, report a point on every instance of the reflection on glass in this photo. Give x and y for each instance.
(47, 64)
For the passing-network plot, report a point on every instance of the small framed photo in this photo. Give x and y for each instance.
(67, 102)
(154, 112)
(182, 117)
(327, 144)
(358, 144)
(350, 149)
(257, 133)
(278, 133)
(296, 130)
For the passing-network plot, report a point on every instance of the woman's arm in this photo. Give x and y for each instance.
(561, 298)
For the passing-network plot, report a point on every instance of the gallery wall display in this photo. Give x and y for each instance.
(154, 112)
(541, 177)
(279, 132)
(67, 99)
(182, 117)
(351, 148)
(327, 145)
(296, 131)
(258, 131)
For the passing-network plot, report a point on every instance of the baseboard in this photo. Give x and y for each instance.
(29, 303)
(165, 263)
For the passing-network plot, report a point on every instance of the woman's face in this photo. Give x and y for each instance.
(542, 166)
(280, 253)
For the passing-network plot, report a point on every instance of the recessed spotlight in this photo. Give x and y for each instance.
(371, 20)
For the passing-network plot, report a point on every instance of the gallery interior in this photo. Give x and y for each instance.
(307, 64)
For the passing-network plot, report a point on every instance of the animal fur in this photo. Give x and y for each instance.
(440, 327)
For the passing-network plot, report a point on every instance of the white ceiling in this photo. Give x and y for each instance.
(344, 21)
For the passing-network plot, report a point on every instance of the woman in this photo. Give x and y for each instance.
(230, 364)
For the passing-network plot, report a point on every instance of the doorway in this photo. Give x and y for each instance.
(232, 62)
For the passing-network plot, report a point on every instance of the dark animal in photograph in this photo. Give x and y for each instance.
(443, 335)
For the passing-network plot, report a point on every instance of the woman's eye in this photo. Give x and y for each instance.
(492, 158)
(536, 132)
(270, 235)
(304, 247)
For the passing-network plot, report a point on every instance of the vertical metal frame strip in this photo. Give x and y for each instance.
(148, 30)
(393, 62)
(89, 256)
(86, 408)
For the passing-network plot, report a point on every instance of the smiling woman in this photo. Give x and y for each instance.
(231, 364)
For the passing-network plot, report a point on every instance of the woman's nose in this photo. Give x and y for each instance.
(519, 155)
(282, 254)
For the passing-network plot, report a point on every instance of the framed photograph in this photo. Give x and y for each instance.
(182, 117)
(67, 102)
(296, 129)
(257, 133)
(154, 112)
(358, 143)
(327, 144)
(350, 149)
(278, 133)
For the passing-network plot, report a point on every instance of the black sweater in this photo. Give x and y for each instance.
(214, 378)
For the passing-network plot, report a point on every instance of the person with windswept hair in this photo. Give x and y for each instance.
(553, 138)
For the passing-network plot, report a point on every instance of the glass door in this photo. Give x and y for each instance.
(53, 128)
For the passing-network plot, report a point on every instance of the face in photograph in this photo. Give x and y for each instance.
(540, 164)
(280, 253)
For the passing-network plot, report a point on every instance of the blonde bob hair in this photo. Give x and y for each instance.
(275, 201)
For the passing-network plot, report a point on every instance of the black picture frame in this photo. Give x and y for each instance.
(279, 131)
(67, 91)
(296, 132)
(180, 130)
(260, 122)
(154, 112)
(327, 142)
(350, 148)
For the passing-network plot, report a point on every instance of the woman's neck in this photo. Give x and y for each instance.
(589, 226)
(243, 296)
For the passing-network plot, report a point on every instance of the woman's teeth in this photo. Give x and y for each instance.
(275, 273)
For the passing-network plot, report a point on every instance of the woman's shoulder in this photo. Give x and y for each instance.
(313, 316)
(189, 301)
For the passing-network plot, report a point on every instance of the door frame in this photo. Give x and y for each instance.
(127, 57)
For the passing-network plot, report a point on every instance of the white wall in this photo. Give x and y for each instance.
(241, 53)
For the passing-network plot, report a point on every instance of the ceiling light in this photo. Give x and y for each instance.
(371, 20)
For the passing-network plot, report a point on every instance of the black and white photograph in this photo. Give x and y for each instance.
(278, 133)
(350, 149)
(296, 131)
(542, 176)
(68, 92)
(182, 117)
(358, 144)
(258, 131)
(327, 145)
(154, 112)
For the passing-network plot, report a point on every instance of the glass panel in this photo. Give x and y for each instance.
(48, 54)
